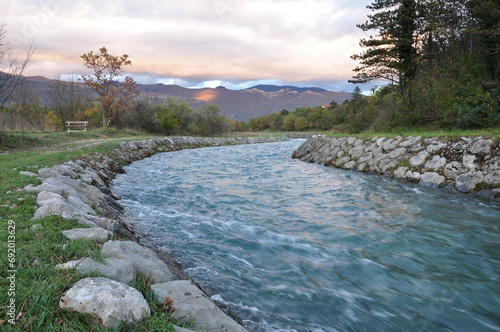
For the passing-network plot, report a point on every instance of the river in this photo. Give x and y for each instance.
(293, 246)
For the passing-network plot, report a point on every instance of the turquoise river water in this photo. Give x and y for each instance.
(293, 246)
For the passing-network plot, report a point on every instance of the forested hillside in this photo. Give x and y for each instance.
(438, 65)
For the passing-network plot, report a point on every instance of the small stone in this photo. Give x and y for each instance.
(96, 234)
(26, 173)
(36, 227)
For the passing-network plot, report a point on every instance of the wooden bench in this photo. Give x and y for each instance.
(79, 125)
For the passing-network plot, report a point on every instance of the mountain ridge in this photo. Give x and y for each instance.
(240, 105)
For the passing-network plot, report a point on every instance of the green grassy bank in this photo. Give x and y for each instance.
(30, 285)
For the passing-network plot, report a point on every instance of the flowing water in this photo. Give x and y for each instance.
(293, 246)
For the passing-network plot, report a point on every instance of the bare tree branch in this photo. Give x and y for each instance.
(11, 67)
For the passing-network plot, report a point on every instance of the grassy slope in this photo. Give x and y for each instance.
(38, 285)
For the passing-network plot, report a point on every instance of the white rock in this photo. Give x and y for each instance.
(411, 141)
(191, 304)
(481, 146)
(112, 301)
(420, 158)
(436, 147)
(113, 268)
(466, 183)
(397, 153)
(431, 179)
(143, 259)
(436, 164)
(380, 142)
(350, 165)
(493, 178)
(469, 161)
(26, 173)
(453, 169)
(400, 173)
(96, 234)
(53, 204)
(36, 227)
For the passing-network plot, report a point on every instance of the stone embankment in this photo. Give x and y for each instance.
(469, 165)
(79, 189)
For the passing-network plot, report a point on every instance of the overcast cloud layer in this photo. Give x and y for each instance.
(196, 43)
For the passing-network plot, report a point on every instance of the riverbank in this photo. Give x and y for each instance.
(466, 164)
(78, 190)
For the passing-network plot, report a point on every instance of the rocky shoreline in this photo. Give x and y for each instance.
(79, 189)
(468, 164)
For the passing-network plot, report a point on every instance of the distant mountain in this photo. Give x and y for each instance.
(252, 102)
(240, 105)
(274, 88)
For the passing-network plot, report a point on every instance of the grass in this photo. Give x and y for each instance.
(38, 285)
(423, 131)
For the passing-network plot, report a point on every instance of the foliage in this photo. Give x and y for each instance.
(445, 57)
(114, 97)
(177, 117)
(391, 54)
(69, 101)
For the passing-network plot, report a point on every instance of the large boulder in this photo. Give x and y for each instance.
(431, 179)
(191, 304)
(481, 147)
(50, 203)
(144, 259)
(436, 163)
(111, 301)
(466, 183)
(420, 158)
(113, 268)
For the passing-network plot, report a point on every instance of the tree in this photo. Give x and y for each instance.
(11, 67)
(26, 106)
(486, 14)
(67, 98)
(391, 55)
(115, 97)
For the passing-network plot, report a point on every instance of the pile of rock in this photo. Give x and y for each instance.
(78, 190)
(467, 164)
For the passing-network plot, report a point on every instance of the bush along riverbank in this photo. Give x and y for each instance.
(467, 164)
(79, 190)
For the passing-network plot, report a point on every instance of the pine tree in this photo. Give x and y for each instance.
(391, 54)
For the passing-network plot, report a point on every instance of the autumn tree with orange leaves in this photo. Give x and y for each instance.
(115, 97)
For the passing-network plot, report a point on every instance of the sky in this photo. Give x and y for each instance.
(196, 43)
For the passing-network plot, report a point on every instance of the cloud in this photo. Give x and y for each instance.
(196, 41)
